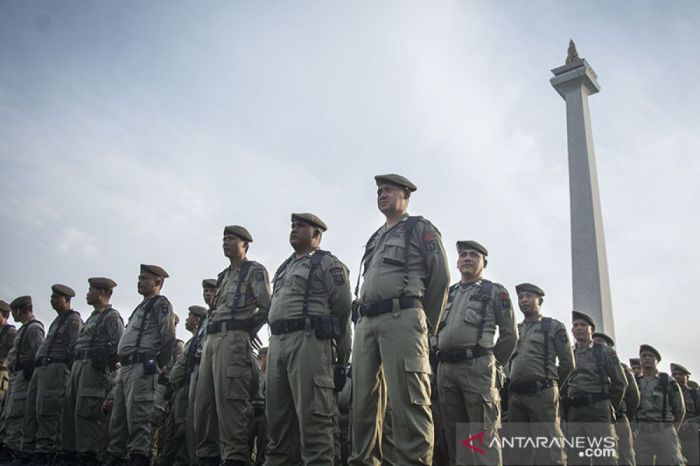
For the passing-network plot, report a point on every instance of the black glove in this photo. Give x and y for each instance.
(339, 376)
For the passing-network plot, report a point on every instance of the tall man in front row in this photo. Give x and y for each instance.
(309, 315)
(404, 291)
(469, 353)
(227, 377)
(144, 350)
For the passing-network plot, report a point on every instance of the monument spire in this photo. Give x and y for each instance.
(575, 81)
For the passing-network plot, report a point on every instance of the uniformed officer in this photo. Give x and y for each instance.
(7, 335)
(175, 450)
(21, 360)
(309, 314)
(405, 286)
(627, 411)
(688, 431)
(84, 431)
(594, 391)
(660, 414)
(534, 375)
(636, 366)
(469, 354)
(144, 351)
(227, 377)
(257, 440)
(208, 294)
(42, 428)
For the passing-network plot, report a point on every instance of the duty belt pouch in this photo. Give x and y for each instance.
(327, 327)
(150, 365)
(99, 360)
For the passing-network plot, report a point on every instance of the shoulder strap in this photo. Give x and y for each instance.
(546, 327)
(242, 274)
(146, 312)
(98, 324)
(362, 262)
(315, 261)
(598, 356)
(408, 232)
(61, 322)
(450, 293)
(281, 268)
(484, 296)
(663, 381)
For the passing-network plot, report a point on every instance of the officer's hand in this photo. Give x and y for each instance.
(107, 407)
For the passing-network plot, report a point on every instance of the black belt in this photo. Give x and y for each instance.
(586, 399)
(84, 354)
(130, 359)
(467, 354)
(530, 388)
(231, 324)
(386, 306)
(45, 361)
(291, 325)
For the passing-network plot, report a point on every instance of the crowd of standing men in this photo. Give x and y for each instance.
(427, 360)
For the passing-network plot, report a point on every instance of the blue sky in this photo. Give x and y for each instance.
(134, 133)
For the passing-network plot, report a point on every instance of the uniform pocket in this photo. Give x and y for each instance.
(50, 402)
(89, 403)
(238, 382)
(18, 404)
(323, 395)
(418, 380)
(472, 314)
(491, 413)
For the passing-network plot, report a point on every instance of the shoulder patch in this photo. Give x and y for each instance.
(562, 336)
(338, 275)
(259, 276)
(504, 300)
(164, 310)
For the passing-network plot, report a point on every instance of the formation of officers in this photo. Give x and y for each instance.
(426, 359)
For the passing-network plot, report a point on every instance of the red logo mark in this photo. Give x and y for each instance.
(468, 443)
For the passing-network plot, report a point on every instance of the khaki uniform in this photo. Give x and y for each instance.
(21, 359)
(167, 447)
(144, 350)
(257, 440)
(42, 429)
(628, 408)
(534, 375)
(655, 436)
(594, 393)
(469, 354)
(175, 450)
(392, 347)
(194, 360)
(7, 336)
(300, 399)
(91, 377)
(688, 431)
(227, 378)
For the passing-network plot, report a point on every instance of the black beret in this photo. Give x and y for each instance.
(575, 315)
(209, 283)
(529, 287)
(4, 307)
(199, 311)
(678, 367)
(635, 362)
(472, 245)
(21, 301)
(397, 180)
(237, 230)
(650, 349)
(605, 337)
(63, 290)
(154, 270)
(311, 219)
(102, 283)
